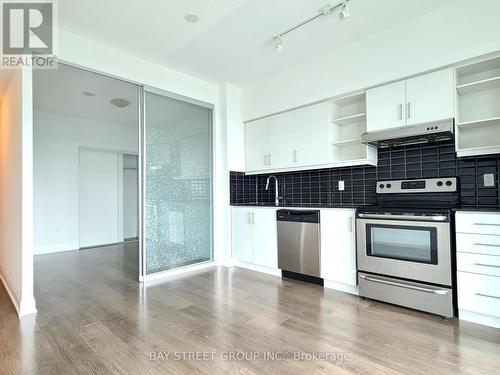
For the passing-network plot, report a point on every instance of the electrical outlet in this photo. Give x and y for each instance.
(489, 180)
(341, 185)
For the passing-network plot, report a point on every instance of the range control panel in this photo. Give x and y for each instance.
(426, 185)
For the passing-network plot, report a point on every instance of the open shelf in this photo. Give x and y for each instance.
(350, 119)
(478, 98)
(350, 99)
(479, 123)
(346, 142)
(481, 85)
(477, 71)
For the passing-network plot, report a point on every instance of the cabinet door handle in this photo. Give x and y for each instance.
(408, 110)
(249, 217)
(253, 217)
(400, 112)
(487, 295)
(265, 159)
(404, 285)
(488, 224)
(269, 159)
(295, 156)
(486, 265)
(350, 224)
(486, 244)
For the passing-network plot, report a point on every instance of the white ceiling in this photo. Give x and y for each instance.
(60, 91)
(232, 42)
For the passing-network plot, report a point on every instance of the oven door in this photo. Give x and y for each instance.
(415, 250)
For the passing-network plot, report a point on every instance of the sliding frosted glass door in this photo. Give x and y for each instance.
(177, 152)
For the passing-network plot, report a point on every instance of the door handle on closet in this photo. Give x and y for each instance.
(400, 112)
(408, 110)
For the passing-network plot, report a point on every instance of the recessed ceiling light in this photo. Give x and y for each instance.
(192, 18)
(120, 103)
(88, 93)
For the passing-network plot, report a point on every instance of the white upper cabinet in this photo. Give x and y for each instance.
(311, 134)
(426, 98)
(257, 145)
(281, 140)
(292, 139)
(322, 135)
(430, 97)
(385, 106)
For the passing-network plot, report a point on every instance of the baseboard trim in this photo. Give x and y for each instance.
(176, 272)
(478, 318)
(351, 289)
(23, 307)
(56, 249)
(255, 267)
(27, 307)
(13, 297)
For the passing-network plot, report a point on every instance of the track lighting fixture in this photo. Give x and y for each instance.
(279, 45)
(344, 13)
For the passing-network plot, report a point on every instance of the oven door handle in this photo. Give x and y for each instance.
(404, 217)
(402, 285)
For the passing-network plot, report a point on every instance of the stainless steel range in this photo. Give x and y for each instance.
(404, 247)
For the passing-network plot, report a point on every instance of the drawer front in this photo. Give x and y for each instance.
(478, 243)
(479, 293)
(479, 223)
(479, 263)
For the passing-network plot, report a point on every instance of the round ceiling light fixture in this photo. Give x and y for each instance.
(120, 103)
(88, 93)
(191, 18)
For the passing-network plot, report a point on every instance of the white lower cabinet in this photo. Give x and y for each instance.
(478, 267)
(338, 250)
(242, 235)
(254, 236)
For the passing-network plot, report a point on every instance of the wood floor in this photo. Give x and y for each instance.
(94, 318)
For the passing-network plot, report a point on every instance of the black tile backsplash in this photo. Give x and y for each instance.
(320, 187)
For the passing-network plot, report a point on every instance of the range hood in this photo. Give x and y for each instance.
(436, 131)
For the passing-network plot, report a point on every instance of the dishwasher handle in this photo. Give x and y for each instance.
(299, 216)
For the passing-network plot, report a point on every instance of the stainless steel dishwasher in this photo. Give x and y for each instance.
(299, 243)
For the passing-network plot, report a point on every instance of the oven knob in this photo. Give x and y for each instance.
(440, 183)
(381, 186)
(388, 186)
(449, 183)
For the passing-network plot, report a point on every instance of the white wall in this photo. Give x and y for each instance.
(235, 127)
(455, 32)
(16, 228)
(57, 139)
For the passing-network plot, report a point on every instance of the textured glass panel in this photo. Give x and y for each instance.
(178, 210)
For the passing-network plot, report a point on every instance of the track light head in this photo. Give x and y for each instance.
(344, 13)
(279, 44)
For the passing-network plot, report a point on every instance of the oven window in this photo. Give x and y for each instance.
(414, 244)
